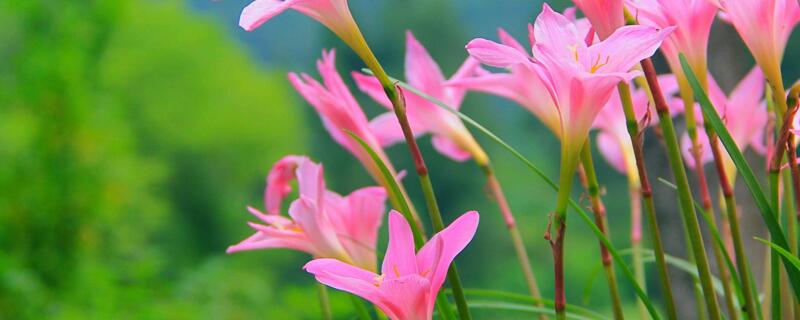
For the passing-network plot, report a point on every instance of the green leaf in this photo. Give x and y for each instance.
(511, 297)
(584, 216)
(767, 214)
(505, 306)
(394, 188)
(786, 254)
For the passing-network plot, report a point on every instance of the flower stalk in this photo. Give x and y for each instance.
(647, 197)
(599, 211)
(394, 93)
(684, 191)
(558, 222)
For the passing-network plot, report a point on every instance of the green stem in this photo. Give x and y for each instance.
(569, 163)
(399, 107)
(774, 267)
(788, 307)
(436, 220)
(727, 191)
(324, 302)
(750, 293)
(516, 239)
(684, 191)
(636, 241)
(647, 197)
(601, 221)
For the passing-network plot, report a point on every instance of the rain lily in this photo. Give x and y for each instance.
(320, 222)
(744, 113)
(692, 19)
(450, 136)
(580, 78)
(521, 84)
(340, 111)
(409, 282)
(333, 14)
(765, 27)
(605, 15)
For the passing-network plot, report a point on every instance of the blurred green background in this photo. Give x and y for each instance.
(134, 133)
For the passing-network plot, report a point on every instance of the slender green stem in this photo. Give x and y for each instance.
(324, 302)
(599, 211)
(684, 191)
(647, 197)
(774, 267)
(727, 190)
(788, 306)
(558, 222)
(438, 225)
(636, 242)
(395, 96)
(750, 293)
(516, 239)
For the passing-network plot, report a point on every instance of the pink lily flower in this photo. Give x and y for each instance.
(765, 27)
(520, 84)
(333, 14)
(613, 140)
(605, 15)
(579, 77)
(409, 281)
(692, 19)
(450, 137)
(340, 111)
(744, 113)
(320, 222)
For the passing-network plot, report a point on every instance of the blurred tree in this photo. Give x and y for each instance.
(131, 135)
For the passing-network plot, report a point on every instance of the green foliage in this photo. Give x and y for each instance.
(131, 136)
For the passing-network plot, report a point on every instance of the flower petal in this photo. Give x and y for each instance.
(494, 54)
(453, 239)
(450, 149)
(259, 11)
(400, 258)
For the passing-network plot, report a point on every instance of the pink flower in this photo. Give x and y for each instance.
(450, 136)
(605, 15)
(340, 111)
(333, 14)
(765, 27)
(613, 140)
(321, 222)
(521, 85)
(579, 77)
(744, 113)
(692, 19)
(409, 281)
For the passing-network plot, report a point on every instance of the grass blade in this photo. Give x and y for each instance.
(786, 254)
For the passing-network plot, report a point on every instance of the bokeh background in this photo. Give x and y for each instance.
(134, 133)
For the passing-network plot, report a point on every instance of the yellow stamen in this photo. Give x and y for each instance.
(425, 272)
(396, 272)
(597, 65)
(378, 280)
(574, 49)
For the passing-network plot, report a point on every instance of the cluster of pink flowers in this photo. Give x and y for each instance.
(571, 76)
